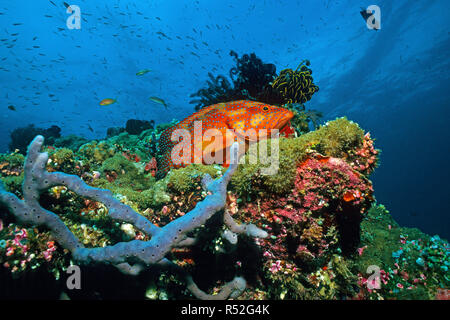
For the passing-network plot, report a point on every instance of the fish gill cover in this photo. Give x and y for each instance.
(92, 94)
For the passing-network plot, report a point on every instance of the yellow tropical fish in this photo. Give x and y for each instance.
(142, 72)
(158, 100)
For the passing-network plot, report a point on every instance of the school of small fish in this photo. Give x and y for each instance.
(134, 22)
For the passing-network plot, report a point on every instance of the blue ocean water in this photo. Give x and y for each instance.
(394, 82)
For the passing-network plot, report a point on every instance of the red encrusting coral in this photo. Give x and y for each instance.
(366, 157)
(131, 156)
(152, 167)
(288, 130)
(328, 197)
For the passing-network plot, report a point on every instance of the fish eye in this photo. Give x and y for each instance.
(266, 108)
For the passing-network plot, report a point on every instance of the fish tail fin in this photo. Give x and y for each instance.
(165, 146)
(164, 165)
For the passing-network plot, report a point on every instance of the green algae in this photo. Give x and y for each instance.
(118, 163)
(183, 180)
(62, 159)
(14, 159)
(336, 138)
(125, 139)
(63, 155)
(96, 152)
(72, 142)
(416, 263)
(12, 181)
(13, 184)
(141, 199)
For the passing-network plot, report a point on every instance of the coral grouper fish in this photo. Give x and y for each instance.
(227, 119)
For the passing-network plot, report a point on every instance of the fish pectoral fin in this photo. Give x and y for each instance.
(246, 138)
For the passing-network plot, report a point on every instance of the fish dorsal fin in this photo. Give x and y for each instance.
(203, 112)
(165, 141)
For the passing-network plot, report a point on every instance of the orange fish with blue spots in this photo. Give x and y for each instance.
(229, 120)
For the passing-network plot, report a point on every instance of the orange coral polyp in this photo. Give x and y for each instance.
(348, 196)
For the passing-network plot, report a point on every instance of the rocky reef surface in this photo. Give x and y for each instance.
(325, 236)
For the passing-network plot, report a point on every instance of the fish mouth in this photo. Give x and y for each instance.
(284, 124)
(286, 121)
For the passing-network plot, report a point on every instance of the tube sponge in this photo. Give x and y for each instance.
(129, 257)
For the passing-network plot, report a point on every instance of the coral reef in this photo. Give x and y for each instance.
(134, 126)
(71, 142)
(11, 164)
(97, 151)
(21, 137)
(11, 171)
(319, 232)
(113, 131)
(318, 220)
(129, 257)
(27, 250)
(338, 138)
(303, 118)
(412, 265)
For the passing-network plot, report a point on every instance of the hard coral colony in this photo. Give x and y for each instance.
(310, 231)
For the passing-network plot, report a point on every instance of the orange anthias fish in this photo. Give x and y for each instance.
(107, 102)
(229, 119)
